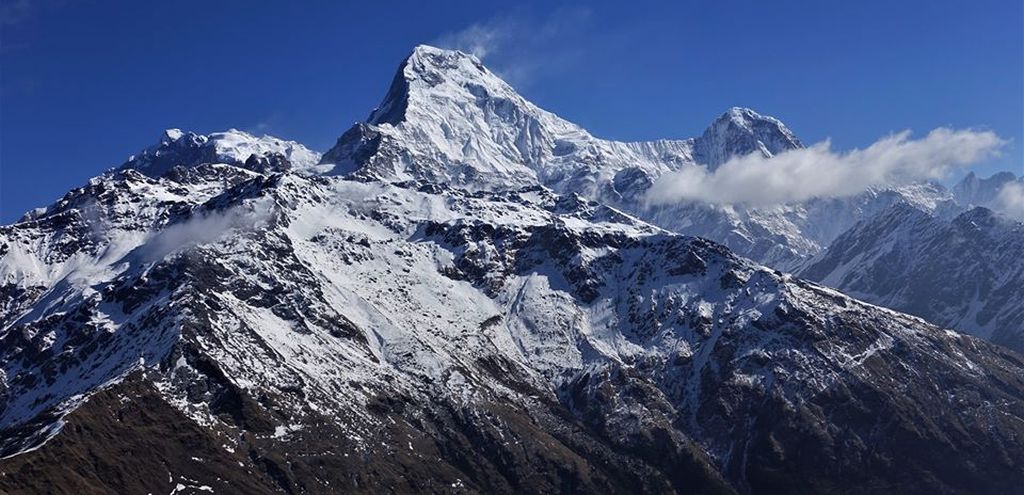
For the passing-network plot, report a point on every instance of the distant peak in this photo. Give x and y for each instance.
(747, 118)
(232, 147)
(171, 135)
(741, 131)
(740, 113)
(997, 178)
(978, 191)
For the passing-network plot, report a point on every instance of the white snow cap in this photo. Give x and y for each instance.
(172, 135)
(233, 147)
(447, 118)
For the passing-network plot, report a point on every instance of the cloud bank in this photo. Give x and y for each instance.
(820, 172)
(1010, 200)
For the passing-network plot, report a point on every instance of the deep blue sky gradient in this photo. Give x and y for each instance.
(84, 84)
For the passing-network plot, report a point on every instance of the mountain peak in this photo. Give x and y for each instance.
(743, 117)
(976, 191)
(742, 131)
(430, 67)
(233, 147)
(427, 59)
(428, 54)
(447, 118)
(171, 135)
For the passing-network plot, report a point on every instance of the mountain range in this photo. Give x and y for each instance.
(965, 273)
(470, 294)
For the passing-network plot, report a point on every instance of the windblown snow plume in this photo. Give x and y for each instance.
(520, 47)
(818, 171)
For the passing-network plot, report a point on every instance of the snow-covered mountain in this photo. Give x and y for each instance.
(446, 118)
(445, 302)
(976, 191)
(966, 273)
(233, 147)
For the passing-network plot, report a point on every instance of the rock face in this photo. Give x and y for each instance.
(445, 313)
(966, 273)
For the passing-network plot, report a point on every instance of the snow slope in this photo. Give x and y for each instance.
(965, 273)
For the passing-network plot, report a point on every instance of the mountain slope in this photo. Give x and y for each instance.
(966, 273)
(621, 357)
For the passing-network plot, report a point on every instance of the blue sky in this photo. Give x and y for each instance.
(84, 84)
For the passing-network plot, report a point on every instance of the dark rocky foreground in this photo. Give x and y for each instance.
(127, 439)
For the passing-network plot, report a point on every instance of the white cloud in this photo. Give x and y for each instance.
(204, 228)
(818, 171)
(520, 47)
(1010, 200)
